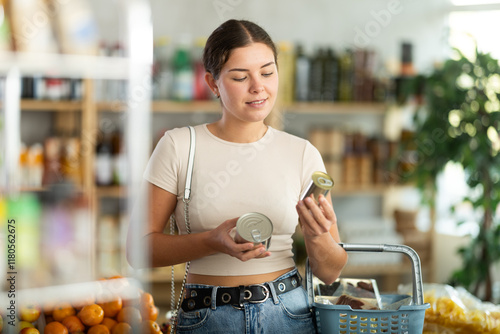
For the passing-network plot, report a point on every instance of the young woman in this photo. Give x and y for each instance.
(241, 165)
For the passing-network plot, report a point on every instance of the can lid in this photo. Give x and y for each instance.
(254, 227)
(322, 180)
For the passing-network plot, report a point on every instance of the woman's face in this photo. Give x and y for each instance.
(248, 83)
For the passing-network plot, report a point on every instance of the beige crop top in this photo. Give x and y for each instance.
(231, 179)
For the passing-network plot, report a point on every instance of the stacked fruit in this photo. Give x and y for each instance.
(105, 313)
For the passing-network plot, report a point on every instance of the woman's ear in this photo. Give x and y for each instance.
(212, 84)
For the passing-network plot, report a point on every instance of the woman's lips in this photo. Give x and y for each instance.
(257, 103)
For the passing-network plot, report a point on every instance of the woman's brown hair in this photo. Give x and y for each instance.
(230, 35)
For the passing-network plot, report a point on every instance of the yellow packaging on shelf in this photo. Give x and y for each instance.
(31, 24)
(76, 27)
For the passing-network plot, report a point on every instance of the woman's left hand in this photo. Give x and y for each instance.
(315, 218)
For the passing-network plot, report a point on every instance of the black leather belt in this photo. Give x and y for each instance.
(199, 298)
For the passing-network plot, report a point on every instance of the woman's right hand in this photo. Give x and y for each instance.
(223, 242)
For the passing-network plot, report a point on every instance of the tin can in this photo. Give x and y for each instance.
(320, 183)
(255, 227)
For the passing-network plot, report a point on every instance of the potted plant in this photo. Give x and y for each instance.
(459, 121)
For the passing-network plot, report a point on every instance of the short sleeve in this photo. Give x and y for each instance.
(313, 162)
(163, 166)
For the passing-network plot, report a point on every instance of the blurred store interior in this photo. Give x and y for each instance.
(99, 82)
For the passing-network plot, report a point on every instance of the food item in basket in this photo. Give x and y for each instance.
(405, 301)
(357, 293)
(356, 303)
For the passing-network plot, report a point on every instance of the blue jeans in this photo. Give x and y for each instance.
(287, 313)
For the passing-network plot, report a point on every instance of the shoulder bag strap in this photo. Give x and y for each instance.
(186, 199)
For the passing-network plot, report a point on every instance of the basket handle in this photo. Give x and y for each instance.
(418, 295)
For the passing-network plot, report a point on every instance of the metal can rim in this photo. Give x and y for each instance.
(264, 218)
(317, 176)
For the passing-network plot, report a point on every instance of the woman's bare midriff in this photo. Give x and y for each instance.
(235, 280)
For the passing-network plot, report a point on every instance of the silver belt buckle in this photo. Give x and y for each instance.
(266, 293)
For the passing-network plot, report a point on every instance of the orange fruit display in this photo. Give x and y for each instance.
(150, 327)
(91, 315)
(130, 315)
(98, 329)
(62, 310)
(30, 312)
(29, 330)
(149, 312)
(147, 299)
(109, 322)
(122, 328)
(55, 327)
(111, 308)
(73, 324)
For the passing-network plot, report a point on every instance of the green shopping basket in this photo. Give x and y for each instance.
(342, 319)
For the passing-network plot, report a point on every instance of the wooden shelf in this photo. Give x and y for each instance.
(46, 105)
(166, 106)
(111, 191)
(193, 106)
(371, 108)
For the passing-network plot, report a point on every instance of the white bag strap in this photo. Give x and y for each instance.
(189, 172)
(185, 199)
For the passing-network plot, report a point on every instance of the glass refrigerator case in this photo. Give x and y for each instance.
(49, 235)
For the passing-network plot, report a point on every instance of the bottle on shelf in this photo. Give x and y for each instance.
(162, 69)
(302, 74)
(316, 76)
(104, 161)
(52, 162)
(71, 166)
(200, 87)
(286, 65)
(183, 72)
(346, 76)
(119, 159)
(331, 76)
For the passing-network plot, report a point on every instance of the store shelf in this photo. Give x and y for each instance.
(372, 108)
(46, 105)
(165, 106)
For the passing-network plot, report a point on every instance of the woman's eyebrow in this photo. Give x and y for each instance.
(246, 70)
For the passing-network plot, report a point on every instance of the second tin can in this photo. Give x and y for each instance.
(255, 227)
(320, 183)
